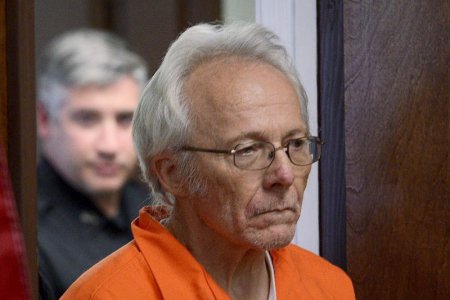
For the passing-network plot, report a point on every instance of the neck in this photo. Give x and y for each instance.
(241, 271)
(108, 204)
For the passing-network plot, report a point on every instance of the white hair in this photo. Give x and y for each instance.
(162, 121)
(84, 57)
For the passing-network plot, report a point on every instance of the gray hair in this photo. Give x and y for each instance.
(162, 120)
(84, 57)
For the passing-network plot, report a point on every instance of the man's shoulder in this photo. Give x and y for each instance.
(319, 276)
(54, 194)
(311, 263)
(123, 273)
(308, 258)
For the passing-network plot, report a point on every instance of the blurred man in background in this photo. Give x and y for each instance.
(88, 88)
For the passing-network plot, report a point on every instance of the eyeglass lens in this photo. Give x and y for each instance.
(260, 155)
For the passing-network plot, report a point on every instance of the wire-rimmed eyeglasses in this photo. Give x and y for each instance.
(260, 155)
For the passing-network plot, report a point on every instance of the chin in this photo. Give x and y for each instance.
(107, 184)
(274, 238)
(105, 189)
(276, 244)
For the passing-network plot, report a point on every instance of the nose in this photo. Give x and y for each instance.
(108, 142)
(280, 173)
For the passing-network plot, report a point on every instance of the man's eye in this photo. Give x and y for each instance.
(296, 144)
(85, 119)
(250, 150)
(247, 151)
(125, 119)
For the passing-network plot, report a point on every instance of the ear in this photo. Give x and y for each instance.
(42, 120)
(165, 167)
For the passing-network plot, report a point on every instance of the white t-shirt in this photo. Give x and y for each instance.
(272, 289)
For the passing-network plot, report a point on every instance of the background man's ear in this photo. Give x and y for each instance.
(166, 169)
(42, 120)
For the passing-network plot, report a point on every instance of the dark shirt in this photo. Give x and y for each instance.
(72, 233)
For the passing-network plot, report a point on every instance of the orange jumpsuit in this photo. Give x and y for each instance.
(156, 266)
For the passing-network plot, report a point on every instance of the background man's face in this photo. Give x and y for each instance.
(237, 101)
(90, 144)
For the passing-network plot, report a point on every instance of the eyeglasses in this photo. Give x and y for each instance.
(260, 155)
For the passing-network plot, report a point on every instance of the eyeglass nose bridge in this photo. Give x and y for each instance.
(275, 149)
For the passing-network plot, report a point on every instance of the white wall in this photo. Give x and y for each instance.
(243, 10)
(294, 21)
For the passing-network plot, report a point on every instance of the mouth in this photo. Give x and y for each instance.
(273, 218)
(286, 205)
(272, 211)
(106, 170)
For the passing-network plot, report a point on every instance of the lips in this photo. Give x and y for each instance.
(273, 210)
(274, 204)
(275, 217)
(106, 170)
(255, 212)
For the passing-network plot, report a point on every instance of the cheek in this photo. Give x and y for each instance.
(80, 138)
(63, 141)
(229, 190)
(243, 192)
(302, 178)
(300, 183)
(125, 134)
(126, 141)
(224, 196)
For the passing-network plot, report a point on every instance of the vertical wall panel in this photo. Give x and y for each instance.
(331, 124)
(397, 143)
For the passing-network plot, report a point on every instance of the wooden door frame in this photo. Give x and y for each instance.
(20, 121)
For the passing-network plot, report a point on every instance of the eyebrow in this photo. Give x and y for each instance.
(124, 114)
(83, 111)
(262, 136)
(293, 132)
(98, 111)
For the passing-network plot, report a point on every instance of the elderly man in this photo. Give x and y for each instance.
(223, 140)
(89, 86)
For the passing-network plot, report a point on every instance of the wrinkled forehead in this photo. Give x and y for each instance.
(211, 81)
